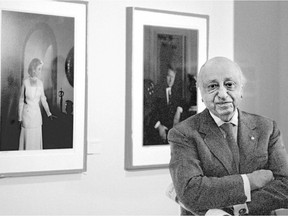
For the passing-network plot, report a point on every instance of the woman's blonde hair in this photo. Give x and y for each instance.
(33, 65)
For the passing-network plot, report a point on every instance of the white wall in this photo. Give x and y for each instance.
(261, 49)
(106, 188)
(257, 52)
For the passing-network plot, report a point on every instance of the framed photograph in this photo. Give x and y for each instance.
(164, 52)
(43, 87)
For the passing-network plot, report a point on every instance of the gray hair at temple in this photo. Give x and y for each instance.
(217, 60)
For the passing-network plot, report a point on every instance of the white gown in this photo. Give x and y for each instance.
(30, 115)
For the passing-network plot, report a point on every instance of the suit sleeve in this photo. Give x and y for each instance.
(196, 191)
(275, 194)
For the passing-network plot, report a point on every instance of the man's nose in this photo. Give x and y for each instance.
(222, 92)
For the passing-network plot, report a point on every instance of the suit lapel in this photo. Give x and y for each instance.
(247, 141)
(215, 141)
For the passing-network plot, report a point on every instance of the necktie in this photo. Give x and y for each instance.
(168, 94)
(228, 128)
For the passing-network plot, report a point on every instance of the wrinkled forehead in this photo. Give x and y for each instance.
(220, 71)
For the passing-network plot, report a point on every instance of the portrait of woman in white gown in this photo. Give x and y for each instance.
(29, 112)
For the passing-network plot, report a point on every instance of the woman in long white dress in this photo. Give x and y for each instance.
(30, 119)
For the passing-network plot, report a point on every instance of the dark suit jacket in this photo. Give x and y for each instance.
(201, 167)
(164, 113)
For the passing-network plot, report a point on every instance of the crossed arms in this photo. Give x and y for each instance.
(202, 183)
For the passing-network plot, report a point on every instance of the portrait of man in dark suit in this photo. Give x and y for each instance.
(170, 63)
(168, 106)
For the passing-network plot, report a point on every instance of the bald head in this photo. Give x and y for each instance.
(217, 64)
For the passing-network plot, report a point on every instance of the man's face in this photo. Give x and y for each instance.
(170, 77)
(221, 89)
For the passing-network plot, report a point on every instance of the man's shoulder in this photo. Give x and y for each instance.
(194, 122)
(191, 123)
(256, 119)
(256, 116)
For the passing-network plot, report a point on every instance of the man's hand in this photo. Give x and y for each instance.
(260, 178)
(177, 115)
(162, 132)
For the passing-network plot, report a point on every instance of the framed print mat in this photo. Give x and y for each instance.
(43, 87)
(164, 52)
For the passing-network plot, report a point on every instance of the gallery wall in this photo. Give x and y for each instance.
(260, 48)
(106, 188)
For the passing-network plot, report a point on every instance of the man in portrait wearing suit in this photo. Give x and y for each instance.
(225, 158)
(168, 107)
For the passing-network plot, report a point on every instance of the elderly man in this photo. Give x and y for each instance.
(224, 158)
